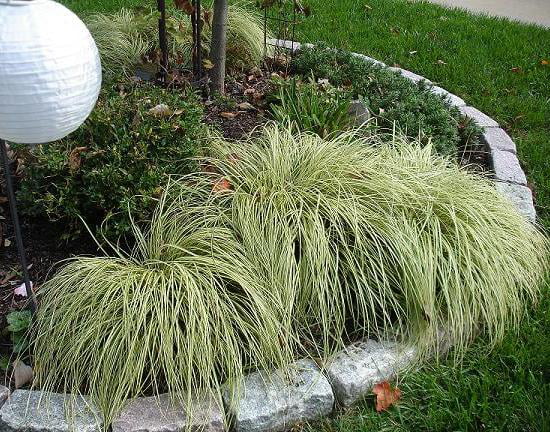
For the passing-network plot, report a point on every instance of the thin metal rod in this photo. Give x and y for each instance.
(16, 225)
(163, 43)
(197, 45)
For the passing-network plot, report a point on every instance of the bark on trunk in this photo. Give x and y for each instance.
(218, 48)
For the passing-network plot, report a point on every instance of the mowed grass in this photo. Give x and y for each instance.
(498, 67)
(493, 64)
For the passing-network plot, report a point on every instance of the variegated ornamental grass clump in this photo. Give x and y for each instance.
(284, 245)
(126, 37)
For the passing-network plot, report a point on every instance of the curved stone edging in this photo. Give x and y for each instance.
(278, 400)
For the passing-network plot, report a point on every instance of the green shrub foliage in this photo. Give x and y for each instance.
(116, 163)
(394, 100)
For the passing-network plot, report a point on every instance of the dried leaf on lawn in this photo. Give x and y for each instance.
(386, 395)
(75, 160)
(161, 110)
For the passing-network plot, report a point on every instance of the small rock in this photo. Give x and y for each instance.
(498, 139)
(159, 414)
(278, 401)
(521, 197)
(36, 411)
(23, 374)
(359, 113)
(4, 393)
(354, 371)
(507, 168)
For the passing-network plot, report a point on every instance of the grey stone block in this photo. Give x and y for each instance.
(279, 400)
(480, 118)
(159, 414)
(354, 371)
(507, 168)
(36, 411)
(286, 44)
(521, 197)
(368, 59)
(410, 75)
(4, 393)
(451, 98)
(498, 139)
(359, 112)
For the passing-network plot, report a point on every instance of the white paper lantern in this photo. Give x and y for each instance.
(50, 71)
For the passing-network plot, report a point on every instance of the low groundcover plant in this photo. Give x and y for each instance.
(283, 246)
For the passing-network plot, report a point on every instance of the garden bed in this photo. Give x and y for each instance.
(240, 123)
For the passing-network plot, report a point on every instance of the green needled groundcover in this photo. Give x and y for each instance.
(286, 245)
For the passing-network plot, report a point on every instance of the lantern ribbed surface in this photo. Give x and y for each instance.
(50, 71)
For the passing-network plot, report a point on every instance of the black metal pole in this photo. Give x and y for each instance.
(197, 46)
(163, 43)
(16, 225)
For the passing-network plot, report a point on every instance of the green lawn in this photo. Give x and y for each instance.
(496, 66)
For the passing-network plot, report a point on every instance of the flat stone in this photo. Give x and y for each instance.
(4, 393)
(480, 118)
(451, 98)
(278, 401)
(359, 113)
(36, 411)
(507, 168)
(498, 139)
(160, 414)
(354, 371)
(409, 75)
(521, 197)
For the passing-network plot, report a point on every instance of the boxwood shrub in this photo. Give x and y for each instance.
(393, 99)
(116, 163)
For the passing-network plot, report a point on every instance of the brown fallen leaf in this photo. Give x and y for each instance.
(386, 395)
(75, 159)
(517, 70)
(228, 115)
(22, 373)
(161, 110)
(246, 106)
(7, 277)
(545, 62)
(184, 5)
(222, 185)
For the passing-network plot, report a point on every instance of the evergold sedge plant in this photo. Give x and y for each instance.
(285, 245)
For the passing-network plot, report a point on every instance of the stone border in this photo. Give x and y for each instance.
(276, 401)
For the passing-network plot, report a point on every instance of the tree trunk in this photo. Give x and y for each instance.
(218, 48)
